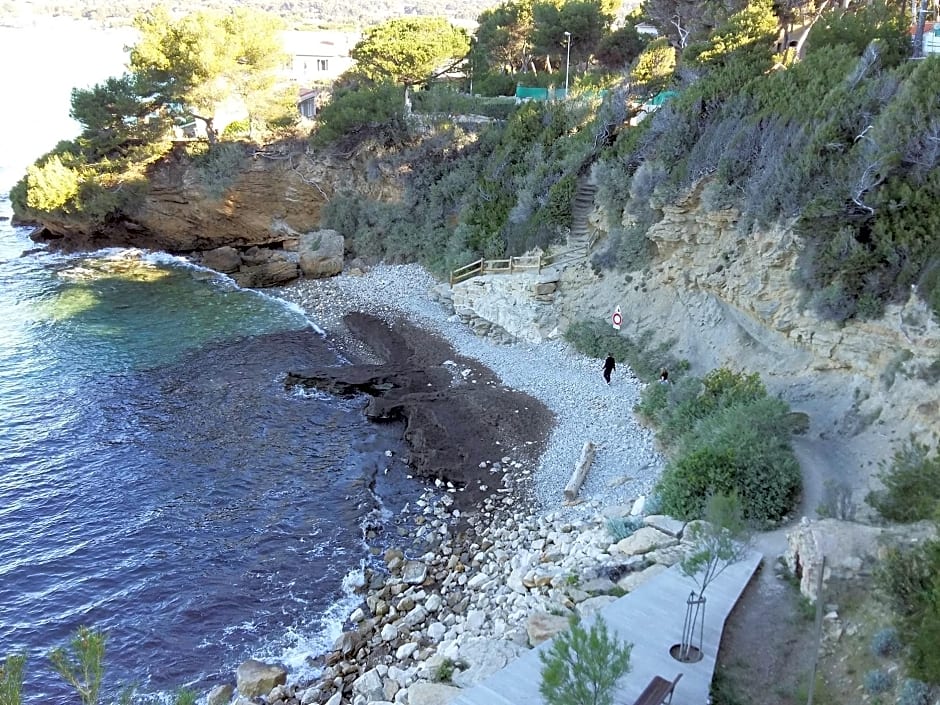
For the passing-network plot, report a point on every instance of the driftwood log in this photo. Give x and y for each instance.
(580, 471)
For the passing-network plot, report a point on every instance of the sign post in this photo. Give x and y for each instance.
(616, 319)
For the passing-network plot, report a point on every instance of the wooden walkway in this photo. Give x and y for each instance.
(651, 619)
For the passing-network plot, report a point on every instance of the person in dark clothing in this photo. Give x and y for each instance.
(609, 366)
(664, 376)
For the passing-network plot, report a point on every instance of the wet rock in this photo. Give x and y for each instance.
(220, 695)
(254, 678)
(222, 259)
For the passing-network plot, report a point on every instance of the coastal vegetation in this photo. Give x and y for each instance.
(301, 14)
(831, 138)
(723, 435)
(584, 665)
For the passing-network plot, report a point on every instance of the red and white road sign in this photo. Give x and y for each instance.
(617, 318)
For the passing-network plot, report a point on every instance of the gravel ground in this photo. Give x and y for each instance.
(627, 463)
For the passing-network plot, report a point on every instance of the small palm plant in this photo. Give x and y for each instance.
(82, 664)
(582, 667)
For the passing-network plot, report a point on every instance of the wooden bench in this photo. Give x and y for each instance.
(658, 692)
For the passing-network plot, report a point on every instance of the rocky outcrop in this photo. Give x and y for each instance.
(321, 253)
(506, 308)
(271, 197)
(829, 548)
(257, 678)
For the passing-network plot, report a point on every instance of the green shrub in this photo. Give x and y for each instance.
(596, 339)
(11, 679)
(620, 528)
(878, 681)
(354, 108)
(741, 449)
(583, 666)
(911, 485)
(81, 665)
(692, 400)
(220, 166)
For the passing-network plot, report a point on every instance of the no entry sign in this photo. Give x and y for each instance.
(616, 319)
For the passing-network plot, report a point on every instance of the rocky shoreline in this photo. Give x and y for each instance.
(476, 583)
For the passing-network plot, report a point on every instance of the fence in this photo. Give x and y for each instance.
(520, 264)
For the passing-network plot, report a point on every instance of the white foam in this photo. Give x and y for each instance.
(298, 649)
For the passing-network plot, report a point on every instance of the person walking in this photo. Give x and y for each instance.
(664, 376)
(609, 366)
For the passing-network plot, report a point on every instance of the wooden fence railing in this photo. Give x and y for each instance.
(520, 264)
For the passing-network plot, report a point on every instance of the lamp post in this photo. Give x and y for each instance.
(567, 61)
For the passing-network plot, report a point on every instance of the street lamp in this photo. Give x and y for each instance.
(567, 61)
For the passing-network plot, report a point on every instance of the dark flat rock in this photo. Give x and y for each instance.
(454, 420)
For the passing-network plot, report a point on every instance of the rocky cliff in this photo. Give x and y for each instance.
(270, 198)
(725, 298)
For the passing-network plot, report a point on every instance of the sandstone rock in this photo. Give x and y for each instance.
(632, 581)
(846, 546)
(222, 259)
(541, 626)
(643, 541)
(432, 694)
(369, 686)
(666, 524)
(321, 253)
(220, 695)
(271, 273)
(254, 678)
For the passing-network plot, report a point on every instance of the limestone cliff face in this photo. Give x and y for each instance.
(272, 198)
(726, 299)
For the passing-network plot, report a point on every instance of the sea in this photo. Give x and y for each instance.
(158, 481)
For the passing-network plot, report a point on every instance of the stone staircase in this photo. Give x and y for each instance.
(582, 232)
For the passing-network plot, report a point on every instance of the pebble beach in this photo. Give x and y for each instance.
(627, 463)
(463, 595)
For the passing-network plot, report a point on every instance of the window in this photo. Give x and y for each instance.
(323, 64)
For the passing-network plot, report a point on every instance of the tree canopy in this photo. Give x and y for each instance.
(409, 51)
(198, 61)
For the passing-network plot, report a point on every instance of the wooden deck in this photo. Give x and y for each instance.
(651, 619)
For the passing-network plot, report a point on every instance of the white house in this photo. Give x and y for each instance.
(318, 56)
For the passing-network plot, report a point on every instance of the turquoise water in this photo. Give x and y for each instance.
(157, 480)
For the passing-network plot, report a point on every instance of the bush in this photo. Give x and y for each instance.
(355, 108)
(583, 666)
(82, 664)
(744, 449)
(220, 166)
(597, 338)
(914, 692)
(885, 643)
(877, 681)
(911, 485)
(11, 679)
